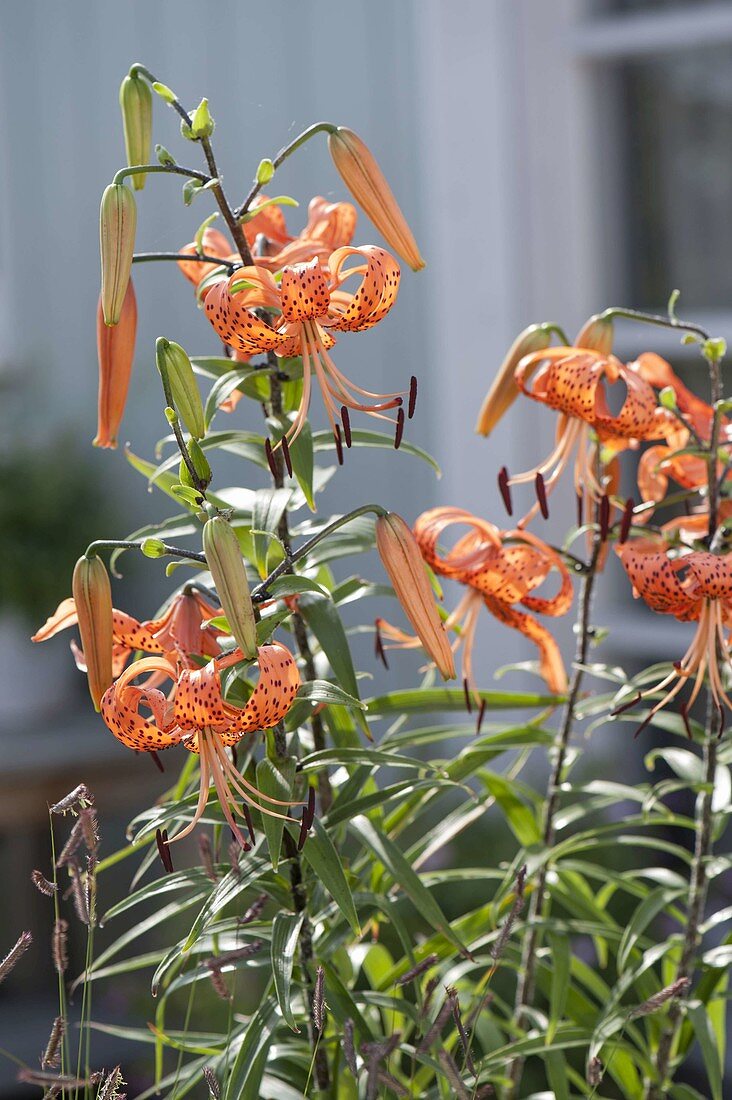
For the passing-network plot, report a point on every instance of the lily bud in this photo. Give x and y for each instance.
(405, 566)
(364, 179)
(223, 554)
(175, 368)
(200, 465)
(135, 100)
(596, 334)
(153, 548)
(504, 390)
(93, 599)
(117, 225)
(116, 352)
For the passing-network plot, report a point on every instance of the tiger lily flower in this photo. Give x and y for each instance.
(693, 587)
(692, 418)
(308, 305)
(572, 380)
(179, 630)
(330, 225)
(196, 715)
(499, 570)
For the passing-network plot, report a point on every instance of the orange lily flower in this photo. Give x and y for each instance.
(572, 380)
(694, 587)
(330, 225)
(308, 305)
(179, 630)
(662, 461)
(197, 716)
(499, 570)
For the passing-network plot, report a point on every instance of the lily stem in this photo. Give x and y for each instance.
(284, 153)
(703, 816)
(653, 319)
(527, 969)
(189, 257)
(131, 544)
(260, 592)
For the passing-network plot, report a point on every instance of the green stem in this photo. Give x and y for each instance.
(703, 817)
(131, 544)
(189, 257)
(149, 169)
(653, 319)
(527, 968)
(284, 153)
(175, 425)
(558, 331)
(285, 566)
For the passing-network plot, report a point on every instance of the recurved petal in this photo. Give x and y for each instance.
(213, 243)
(63, 617)
(550, 659)
(654, 576)
(277, 686)
(237, 325)
(304, 292)
(374, 296)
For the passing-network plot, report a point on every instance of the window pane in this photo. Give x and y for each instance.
(677, 169)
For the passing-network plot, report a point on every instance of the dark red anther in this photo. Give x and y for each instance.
(412, 397)
(339, 445)
(626, 706)
(481, 714)
(250, 824)
(161, 839)
(626, 520)
(720, 710)
(286, 454)
(271, 459)
(399, 430)
(466, 691)
(346, 422)
(379, 646)
(303, 831)
(541, 495)
(580, 509)
(311, 806)
(646, 721)
(157, 761)
(234, 757)
(684, 711)
(505, 489)
(604, 517)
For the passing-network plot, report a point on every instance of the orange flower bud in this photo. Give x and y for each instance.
(116, 352)
(504, 390)
(596, 334)
(223, 554)
(117, 225)
(405, 565)
(93, 600)
(366, 182)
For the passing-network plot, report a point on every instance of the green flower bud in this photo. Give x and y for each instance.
(223, 554)
(163, 156)
(117, 226)
(135, 100)
(153, 548)
(265, 171)
(202, 125)
(200, 465)
(176, 370)
(667, 397)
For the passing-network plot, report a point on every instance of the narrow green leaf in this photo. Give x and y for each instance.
(642, 917)
(268, 509)
(285, 934)
(323, 441)
(407, 878)
(322, 691)
(275, 780)
(519, 817)
(560, 968)
(413, 700)
(322, 858)
(256, 1037)
(704, 1032)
